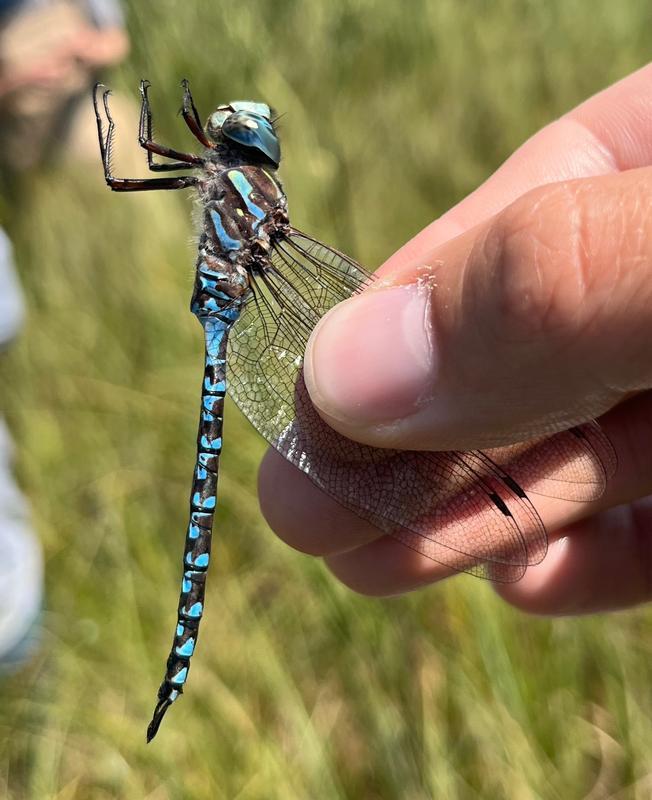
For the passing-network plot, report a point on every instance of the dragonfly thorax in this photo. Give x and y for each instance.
(247, 126)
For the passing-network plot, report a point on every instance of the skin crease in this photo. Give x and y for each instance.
(552, 259)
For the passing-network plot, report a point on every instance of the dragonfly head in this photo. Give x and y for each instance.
(246, 125)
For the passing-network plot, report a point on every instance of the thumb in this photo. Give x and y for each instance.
(533, 321)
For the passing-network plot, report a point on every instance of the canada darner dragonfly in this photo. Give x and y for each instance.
(260, 287)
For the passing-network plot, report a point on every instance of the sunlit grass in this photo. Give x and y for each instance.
(299, 689)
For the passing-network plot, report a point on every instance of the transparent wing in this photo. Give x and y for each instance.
(573, 465)
(464, 510)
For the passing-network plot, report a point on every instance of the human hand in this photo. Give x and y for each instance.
(86, 46)
(529, 304)
(45, 73)
(99, 47)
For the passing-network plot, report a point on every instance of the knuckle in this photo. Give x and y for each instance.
(541, 263)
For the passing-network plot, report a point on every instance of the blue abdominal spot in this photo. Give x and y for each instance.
(180, 677)
(209, 402)
(186, 649)
(195, 610)
(219, 387)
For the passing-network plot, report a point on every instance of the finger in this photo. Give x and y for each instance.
(599, 564)
(303, 515)
(372, 563)
(528, 323)
(609, 132)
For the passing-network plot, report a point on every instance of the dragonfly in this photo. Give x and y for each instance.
(260, 287)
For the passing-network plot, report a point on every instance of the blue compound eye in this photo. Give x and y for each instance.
(216, 119)
(255, 108)
(253, 130)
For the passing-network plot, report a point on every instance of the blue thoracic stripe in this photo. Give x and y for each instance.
(244, 189)
(224, 239)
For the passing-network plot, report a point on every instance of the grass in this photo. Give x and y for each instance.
(299, 689)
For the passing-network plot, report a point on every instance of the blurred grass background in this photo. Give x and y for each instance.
(299, 689)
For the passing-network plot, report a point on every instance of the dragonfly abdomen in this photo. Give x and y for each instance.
(203, 502)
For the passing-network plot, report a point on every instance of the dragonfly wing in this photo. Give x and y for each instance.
(572, 465)
(464, 510)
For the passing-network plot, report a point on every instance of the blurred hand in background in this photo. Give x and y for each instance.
(50, 55)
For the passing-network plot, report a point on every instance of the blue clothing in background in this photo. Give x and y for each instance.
(8, 5)
(101, 13)
(21, 565)
(12, 309)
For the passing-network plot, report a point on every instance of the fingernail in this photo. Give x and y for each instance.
(371, 359)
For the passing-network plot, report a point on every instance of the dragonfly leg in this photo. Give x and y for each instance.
(191, 116)
(184, 160)
(106, 149)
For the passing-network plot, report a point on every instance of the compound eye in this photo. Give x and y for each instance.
(216, 119)
(254, 131)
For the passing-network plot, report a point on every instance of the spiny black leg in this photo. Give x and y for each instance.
(106, 147)
(186, 160)
(191, 116)
(100, 126)
(188, 102)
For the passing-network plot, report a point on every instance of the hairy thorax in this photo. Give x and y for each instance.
(243, 208)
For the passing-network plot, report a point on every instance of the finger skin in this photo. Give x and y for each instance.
(371, 563)
(599, 564)
(537, 319)
(608, 133)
